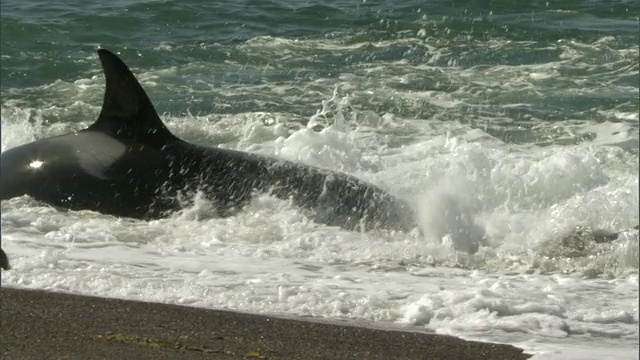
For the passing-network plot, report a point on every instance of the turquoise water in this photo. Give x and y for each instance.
(510, 123)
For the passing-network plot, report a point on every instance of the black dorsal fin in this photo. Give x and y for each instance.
(127, 111)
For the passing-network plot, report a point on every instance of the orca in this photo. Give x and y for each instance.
(128, 164)
(4, 261)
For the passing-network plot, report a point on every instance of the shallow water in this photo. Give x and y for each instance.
(507, 126)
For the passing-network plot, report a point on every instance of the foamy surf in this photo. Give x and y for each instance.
(506, 142)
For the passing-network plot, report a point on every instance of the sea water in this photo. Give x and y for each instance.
(507, 126)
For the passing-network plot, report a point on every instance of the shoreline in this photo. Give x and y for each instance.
(43, 324)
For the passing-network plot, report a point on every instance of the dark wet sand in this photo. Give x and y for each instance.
(46, 325)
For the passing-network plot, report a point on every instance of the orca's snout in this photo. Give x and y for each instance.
(4, 261)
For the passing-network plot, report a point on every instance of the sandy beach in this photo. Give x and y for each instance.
(46, 325)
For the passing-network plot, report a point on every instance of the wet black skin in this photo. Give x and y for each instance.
(129, 164)
(4, 261)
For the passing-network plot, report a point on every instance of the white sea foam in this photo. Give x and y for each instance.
(491, 264)
(500, 202)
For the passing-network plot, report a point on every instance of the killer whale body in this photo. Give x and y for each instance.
(128, 164)
(4, 261)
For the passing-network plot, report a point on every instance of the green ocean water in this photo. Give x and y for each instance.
(511, 67)
(508, 122)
